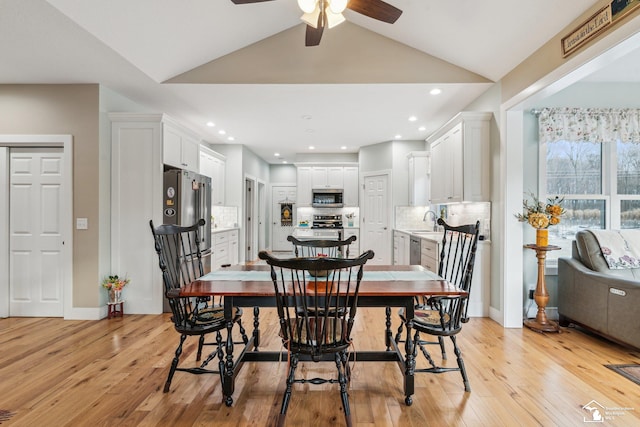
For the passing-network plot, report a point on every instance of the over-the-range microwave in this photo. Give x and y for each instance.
(327, 198)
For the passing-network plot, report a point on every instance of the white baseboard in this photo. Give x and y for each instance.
(87, 313)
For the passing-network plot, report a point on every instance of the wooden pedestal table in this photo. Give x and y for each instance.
(541, 323)
(115, 309)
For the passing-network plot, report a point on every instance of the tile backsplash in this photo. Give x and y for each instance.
(411, 217)
(224, 216)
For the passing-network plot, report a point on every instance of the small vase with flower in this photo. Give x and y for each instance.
(541, 215)
(114, 285)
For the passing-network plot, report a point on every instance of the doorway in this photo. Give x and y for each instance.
(262, 214)
(280, 230)
(36, 225)
(249, 214)
(376, 216)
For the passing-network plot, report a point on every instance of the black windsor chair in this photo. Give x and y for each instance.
(180, 260)
(321, 247)
(316, 300)
(443, 316)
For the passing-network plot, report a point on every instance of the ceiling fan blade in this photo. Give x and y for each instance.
(376, 9)
(314, 35)
(248, 1)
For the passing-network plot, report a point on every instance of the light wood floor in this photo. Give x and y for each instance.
(111, 373)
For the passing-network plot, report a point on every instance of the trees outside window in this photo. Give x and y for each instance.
(600, 183)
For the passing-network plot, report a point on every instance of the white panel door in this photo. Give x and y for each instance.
(376, 232)
(35, 233)
(279, 233)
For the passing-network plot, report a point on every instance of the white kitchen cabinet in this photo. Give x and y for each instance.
(136, 198)
(343, 177)
(180, 147)
(401, 248)
(213, 165)
(225, 248)
(303, 194)
(429, 254)
(418, 178)
(460, 160)
(354, 248)
(327, 177)
(351, 187)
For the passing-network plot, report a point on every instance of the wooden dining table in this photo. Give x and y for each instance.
(383, 286)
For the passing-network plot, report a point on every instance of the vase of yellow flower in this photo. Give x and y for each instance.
(541, 216)
(114, 286)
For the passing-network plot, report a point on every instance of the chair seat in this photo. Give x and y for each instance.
(425, 317)
(206, 320)
(214, 315)
(300, 332)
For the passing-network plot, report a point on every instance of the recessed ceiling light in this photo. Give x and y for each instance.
(344, 147)
(211, 124)
(284, 162)
(231, 138)
(435, 91)
(398, 136)
(276, 154)
(311, 147)
(222, 132)
(413, 118)
(422, 128)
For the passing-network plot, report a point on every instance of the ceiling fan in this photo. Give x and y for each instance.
(319, 14)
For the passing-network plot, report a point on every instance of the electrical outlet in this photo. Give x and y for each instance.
(531, 291)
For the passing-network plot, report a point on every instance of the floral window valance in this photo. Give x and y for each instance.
(589, 124)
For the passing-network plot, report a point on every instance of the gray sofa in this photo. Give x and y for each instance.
(597, 298)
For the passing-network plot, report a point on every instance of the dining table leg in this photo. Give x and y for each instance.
(256, 327)
(228, 380)
(388, 335)
(410, 359)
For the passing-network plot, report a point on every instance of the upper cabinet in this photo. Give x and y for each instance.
(351, 187)
(460, 161)
(303, 194)
(213, 165)
(418, 178)
(316, 176)
(327, 177)
(180, 147)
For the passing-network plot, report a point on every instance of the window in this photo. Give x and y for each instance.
(600, 183)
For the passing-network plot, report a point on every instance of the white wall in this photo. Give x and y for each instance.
(283, 174)
(376, 157)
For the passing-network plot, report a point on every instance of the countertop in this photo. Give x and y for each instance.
(221, 229)
(434, 236)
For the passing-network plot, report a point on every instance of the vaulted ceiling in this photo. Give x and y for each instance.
(245, 67)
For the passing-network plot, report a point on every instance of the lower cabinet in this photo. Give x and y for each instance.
(354, 248)
(225, 248)
(401, 248)
(429, 254)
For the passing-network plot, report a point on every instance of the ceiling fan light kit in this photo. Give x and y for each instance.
(307, 6)
(328, 13)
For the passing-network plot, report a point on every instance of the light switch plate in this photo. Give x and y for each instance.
(82, 224)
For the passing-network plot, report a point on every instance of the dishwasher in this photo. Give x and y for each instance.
(414, 251)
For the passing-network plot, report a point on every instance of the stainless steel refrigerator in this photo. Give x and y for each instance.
(187, 198)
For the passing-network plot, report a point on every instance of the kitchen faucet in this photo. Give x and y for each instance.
(435, 224)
